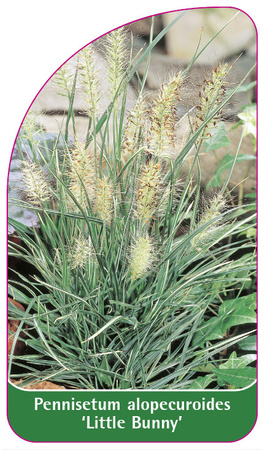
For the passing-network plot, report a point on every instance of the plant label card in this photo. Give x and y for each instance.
(129, 416)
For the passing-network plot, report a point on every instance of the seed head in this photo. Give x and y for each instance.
(104, 199)
(37, 189)
(115, 47)
(89, 76)
(82, 174)
(211, 96)
(134, 128)
(210, 216)
(142, 257)
(30, 129)
(162, 124)
(148, 191)
(63, 78)
(81, 252)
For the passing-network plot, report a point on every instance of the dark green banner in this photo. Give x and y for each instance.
(100, 416)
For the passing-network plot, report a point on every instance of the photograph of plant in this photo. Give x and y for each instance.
(130, 265)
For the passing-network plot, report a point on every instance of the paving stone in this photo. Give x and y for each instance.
(183, 36)
(162, 66)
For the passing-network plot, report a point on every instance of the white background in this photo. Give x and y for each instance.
(36, 38)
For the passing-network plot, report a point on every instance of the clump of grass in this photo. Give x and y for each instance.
(123, 297)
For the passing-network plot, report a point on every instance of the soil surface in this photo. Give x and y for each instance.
(43, 385)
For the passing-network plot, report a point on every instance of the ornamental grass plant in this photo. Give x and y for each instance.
(139, 282)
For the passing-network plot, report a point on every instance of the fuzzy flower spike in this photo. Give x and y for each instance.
(104, 199)
(89, 76)
(162, 125)
(81, 252)
(211, 96)
(142, 257)
(148, 191)
(212, 217)
(37, 189)
(82, 174)
(63, 78)
(116, 52)
(31, 129)
(135, 127)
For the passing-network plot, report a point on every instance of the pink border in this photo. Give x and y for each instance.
(128, 23)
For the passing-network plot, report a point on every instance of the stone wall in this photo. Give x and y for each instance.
(171, 55)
